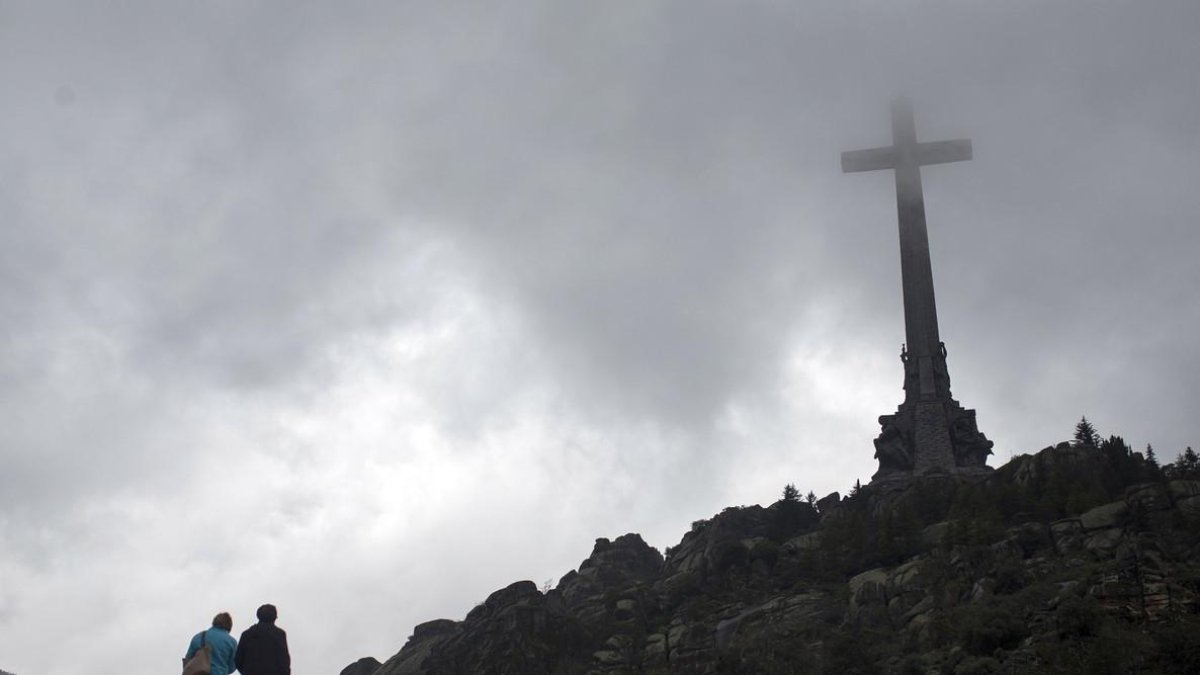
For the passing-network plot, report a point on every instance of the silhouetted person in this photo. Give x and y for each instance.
(263, 648)
(221, 644)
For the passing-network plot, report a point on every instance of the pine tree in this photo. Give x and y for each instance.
(1185, 466)
(811, 498)
(1085, 433)
(1189, 463)
(1150, 456)
(790, 493)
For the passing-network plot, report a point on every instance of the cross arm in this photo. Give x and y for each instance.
(942, 152)
(873, 159)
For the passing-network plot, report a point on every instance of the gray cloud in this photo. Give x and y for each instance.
(396, 291)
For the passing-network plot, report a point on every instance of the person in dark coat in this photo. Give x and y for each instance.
(263, 648)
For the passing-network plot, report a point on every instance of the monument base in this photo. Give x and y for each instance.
(925, 437)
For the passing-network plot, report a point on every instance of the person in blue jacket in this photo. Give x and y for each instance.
(222, 645)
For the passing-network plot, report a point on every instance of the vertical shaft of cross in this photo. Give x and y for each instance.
(916, 269)
(930, 430)
(925, 364)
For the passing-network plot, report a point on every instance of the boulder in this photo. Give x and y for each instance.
(364, 666)
(1103, 542)
(868, 591)
(1184, 489)
(1189, 507)
(1031, 538)
(935, 534)
(1067, 534)
(804, 542)
(617, 564)
(433, 628)
(828, 503)
(1148, 497)
(1105, 516)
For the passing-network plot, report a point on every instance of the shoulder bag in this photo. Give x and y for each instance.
(201, 661)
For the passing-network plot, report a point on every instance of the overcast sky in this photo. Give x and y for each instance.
(368, 309)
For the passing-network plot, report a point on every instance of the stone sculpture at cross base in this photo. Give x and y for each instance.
(930, 432)
(932, 435)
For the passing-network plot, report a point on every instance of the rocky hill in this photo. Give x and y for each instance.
(1078, 559)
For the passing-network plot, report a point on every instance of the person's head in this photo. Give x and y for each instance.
(267, 614)
(223, 620)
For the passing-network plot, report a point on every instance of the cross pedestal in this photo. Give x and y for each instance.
(930, 431)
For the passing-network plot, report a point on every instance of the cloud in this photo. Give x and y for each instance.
(369, 311)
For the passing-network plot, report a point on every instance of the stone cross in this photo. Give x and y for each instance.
(906, 156)
(924, 434)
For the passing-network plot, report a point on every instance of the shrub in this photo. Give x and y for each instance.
(984, 629)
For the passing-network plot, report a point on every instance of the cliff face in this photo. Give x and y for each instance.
(1071, 560)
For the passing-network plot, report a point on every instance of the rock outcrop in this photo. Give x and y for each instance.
(363, 666)
(1045, 565)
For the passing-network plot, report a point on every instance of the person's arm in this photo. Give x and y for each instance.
(238, 655)
(285, 659)
(193, 647)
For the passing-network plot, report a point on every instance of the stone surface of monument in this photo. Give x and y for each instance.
(930, 431)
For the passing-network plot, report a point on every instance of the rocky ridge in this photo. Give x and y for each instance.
(1075, 559)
